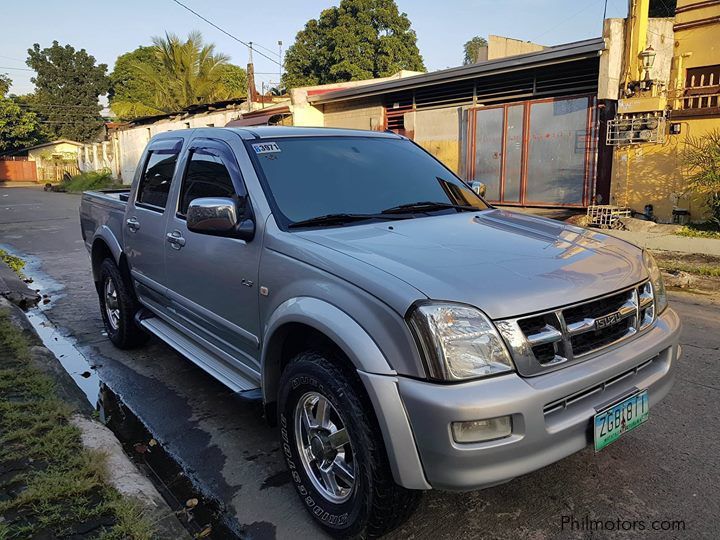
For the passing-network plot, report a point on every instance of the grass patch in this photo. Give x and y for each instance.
(50, 485)
(16, 263)
(692, 263)
(709, 229)
(87, 181)
(699, 269)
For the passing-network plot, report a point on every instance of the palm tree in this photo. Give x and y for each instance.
(187, 72)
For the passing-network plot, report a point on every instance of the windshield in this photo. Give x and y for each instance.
(324, 176)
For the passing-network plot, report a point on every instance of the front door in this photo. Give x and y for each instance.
(212, 280)
(144, 222)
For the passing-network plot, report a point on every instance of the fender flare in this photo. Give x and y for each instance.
(337, 325)
(376, 375)
(105, 234)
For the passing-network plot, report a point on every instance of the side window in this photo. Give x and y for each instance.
(156, 179)
(206, 176)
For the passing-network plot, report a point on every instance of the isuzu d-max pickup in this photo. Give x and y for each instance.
(403, 333)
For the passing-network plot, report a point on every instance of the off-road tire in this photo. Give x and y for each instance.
(377, 505)
(128, 334)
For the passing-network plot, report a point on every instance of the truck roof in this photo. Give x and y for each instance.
(268, 132)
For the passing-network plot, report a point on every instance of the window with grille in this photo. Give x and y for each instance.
(702, 88)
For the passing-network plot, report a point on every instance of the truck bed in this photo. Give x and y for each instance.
(103, 209)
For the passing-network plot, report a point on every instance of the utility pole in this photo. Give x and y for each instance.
(281, 62)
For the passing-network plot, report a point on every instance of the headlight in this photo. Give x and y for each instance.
(458, 342)
(657, 282)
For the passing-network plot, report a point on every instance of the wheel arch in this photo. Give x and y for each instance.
(307, 320)
(105, 245)
(304, 321)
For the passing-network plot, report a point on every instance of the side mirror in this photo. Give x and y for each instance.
(478, 187)
(218, 216)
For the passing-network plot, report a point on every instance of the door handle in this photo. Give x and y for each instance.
(133, 224)
(175, 239)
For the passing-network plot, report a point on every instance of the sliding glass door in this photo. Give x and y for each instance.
(535, 152)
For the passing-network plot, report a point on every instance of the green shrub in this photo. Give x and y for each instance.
(90, 180)
(16, 263)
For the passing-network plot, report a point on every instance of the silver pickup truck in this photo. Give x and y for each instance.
(404, 334)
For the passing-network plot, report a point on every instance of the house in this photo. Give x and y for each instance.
(669, 91)
(527, 125)
(50, 161)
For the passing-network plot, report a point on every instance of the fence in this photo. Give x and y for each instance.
(16, 169)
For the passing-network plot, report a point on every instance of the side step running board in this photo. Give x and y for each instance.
(206, 360)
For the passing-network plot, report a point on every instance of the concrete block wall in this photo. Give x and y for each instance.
(359, 114)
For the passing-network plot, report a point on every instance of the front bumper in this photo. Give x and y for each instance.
(550, 413)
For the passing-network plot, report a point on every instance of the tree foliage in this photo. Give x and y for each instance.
(130, 96)
(359, 39)
(662, 8)
(19, 128)
(701, 158)
(5, 84)
(172, 74)
(68, 84)
(472, 49)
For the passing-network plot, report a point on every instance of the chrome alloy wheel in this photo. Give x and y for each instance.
(112, 307)
(324, 447)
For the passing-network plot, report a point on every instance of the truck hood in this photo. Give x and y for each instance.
(505, 263)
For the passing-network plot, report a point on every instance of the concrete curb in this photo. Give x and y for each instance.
(15, 289)
(122, 473)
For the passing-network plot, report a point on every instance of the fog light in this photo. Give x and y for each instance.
(482, 430)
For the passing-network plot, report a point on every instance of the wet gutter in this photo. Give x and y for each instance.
(201, 514)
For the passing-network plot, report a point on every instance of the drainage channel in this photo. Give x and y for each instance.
(201, 514)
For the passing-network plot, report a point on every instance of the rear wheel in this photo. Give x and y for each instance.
(118, 308)
(335, 452)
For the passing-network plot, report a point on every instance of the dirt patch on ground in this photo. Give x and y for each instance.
(689, 270)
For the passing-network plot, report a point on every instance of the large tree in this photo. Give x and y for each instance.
(5, 84)
(359, 39)
(140, 79)
(130, 96)
(173, 74)
(67, 86)
(19, 128)
(472, 49)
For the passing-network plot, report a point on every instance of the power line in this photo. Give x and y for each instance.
(16, 68)
(226, 32)
(563, 21)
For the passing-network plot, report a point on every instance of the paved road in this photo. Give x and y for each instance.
(665, 470)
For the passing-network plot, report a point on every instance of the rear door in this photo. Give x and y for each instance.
(212, 280)
(144, 225)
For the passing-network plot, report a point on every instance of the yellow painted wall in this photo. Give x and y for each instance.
(653, 173)
(437, 131)
(60, 148)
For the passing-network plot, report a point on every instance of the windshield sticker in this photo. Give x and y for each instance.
(266, 148)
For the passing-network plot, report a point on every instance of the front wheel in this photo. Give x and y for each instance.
(335, 452)
(118, 307)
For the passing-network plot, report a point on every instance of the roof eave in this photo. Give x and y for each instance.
(553, 55)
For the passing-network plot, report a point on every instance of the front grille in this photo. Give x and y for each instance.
(566, 335)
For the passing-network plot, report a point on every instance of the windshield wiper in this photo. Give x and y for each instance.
(338, 219)
(427, 206)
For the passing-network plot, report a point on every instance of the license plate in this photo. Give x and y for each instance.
(620, 418)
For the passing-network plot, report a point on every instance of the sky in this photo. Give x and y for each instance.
(108, 29)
